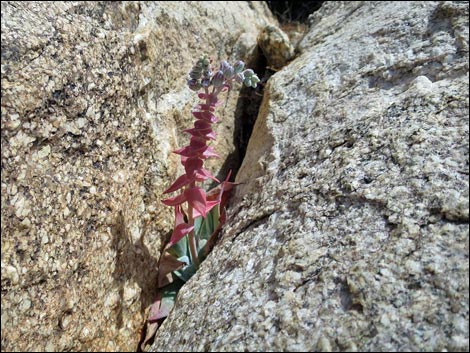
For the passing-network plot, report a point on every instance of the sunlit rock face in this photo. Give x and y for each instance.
(349, 230)
(94, 99)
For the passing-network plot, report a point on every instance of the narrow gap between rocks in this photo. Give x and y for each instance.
(289, 14)
(246, 112)
(248, 106)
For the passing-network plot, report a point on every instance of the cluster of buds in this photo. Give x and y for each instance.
(201, 75)
(193, 155)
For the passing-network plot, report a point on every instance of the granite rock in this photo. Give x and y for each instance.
(276, 46)
(349, 230)
(94, 99)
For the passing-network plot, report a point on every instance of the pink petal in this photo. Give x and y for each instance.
(192, 165)
(205, 107)
(206, 116)
(203, 152)
(197, 142)
(226, 184)
(200, 178)
(180, 231)
(196, 197)
(208, 152)
(212, 99)
(179, 150)
(206, 134)
(179, 217)
(179, 183)
(207, 174)
(173, 201)
(209, 206)
(190, 151)
(212, 135)
(201, 124)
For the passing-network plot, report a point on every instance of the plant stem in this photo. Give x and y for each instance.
(191, 237)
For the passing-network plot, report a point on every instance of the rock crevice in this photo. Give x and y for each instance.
(349, 230)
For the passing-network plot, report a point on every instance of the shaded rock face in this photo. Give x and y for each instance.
(350, 228)
(94, 99)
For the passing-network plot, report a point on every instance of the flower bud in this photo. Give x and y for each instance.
(205, 61)
(251, 80)
(254, 81)
(207, 73)
(195, 73)
(247, 81)
(194, 84)
(238, 67)
(218, 79)
(239, 77)
(248, 73)
(226, 69)
(206, 82)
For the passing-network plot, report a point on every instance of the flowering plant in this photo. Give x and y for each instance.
(199, 216)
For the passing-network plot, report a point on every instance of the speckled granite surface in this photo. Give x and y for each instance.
(350, 230)
(94, 98)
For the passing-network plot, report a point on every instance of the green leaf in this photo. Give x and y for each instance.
(186, 272)
(180, 249)
(204, 227)
(197, 225)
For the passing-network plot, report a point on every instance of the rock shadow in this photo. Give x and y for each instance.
(134, 262)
